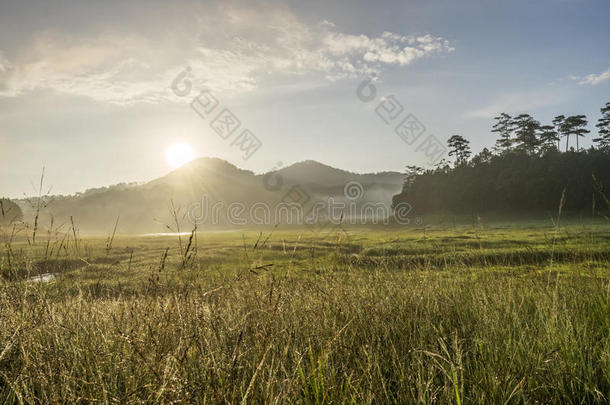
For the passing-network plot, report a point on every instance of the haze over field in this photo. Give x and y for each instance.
(208, 192)
(305, 202)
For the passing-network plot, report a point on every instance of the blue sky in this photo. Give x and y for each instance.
(85, 86)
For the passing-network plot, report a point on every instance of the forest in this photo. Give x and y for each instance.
(532, 167)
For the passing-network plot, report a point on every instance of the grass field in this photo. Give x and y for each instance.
(458, 315)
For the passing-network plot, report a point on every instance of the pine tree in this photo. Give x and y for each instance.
(560, 125)
(503, 126)
(526, 128)
(548, 139)
(603, 126)
(460, 148)
(575, 125)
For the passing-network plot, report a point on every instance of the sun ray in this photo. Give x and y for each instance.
(179, 154)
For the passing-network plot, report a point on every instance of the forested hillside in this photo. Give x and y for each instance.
(529, 169)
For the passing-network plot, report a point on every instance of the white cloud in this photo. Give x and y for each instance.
(5, 71)
(594, 79)
(229, 52)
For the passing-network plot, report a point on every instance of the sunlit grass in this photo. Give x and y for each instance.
(434, 316)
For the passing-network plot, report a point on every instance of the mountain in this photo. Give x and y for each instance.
(206, 189)
(315, 173)
(324, 181)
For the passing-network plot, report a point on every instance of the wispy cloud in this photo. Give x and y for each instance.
(229, 51)
(594, 79)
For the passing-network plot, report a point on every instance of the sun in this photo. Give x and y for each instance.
(178, 154)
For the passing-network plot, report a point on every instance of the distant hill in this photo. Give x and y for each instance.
(206, 183)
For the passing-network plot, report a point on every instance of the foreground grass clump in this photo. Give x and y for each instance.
(295, 319)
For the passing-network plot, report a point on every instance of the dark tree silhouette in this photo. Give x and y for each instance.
(548, 139)
(526, 128)
(511, 182)
(460, 148)
(482, 157)
(561, 127)
(504, 127)
(603, 128)
(575, 125)
(9, 212)
(411, 173)
(532, 177)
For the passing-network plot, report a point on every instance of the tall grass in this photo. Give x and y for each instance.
(315, 322)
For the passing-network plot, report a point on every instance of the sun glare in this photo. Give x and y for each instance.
(178, 154)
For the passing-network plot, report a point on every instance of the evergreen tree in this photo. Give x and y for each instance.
(560, 125)
(531, 180)
(526, 129)
(482, 157)
(503, 126)
(603, 127)
(411, 173)
(512, 182)
(548, 139)
(460, 148)
(575, 125)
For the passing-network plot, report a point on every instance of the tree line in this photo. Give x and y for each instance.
(530, 167)
(9, 212)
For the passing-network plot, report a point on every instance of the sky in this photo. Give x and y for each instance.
(98, 93)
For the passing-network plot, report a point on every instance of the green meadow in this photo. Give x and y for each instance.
(504, 314)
